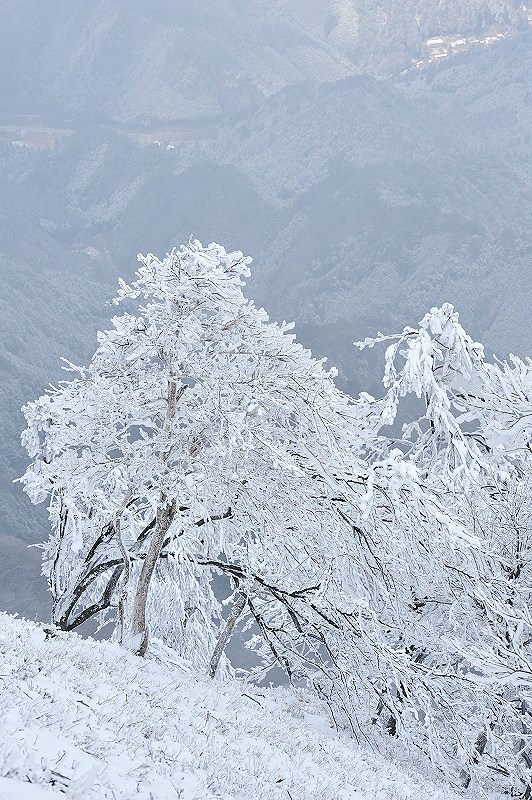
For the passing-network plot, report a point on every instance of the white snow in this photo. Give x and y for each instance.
(82, 719)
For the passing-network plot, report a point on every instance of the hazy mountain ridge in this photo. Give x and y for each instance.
(130, 62)
(398, 196)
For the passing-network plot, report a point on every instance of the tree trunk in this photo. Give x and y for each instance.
(225, 635)
(125, 581)
(139, 630)
(166, 509)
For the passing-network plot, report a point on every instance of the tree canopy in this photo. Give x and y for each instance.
(386, 566)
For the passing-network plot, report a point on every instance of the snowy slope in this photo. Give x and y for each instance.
(83, 719)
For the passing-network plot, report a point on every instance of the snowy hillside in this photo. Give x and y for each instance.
(83, 719)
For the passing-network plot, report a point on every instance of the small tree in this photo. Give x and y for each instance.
(472, 447)
(192, 440)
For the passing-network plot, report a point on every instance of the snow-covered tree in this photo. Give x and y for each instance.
(391, 574)
(192, 442)
(471, 446)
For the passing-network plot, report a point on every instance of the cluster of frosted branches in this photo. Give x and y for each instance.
(389, 574)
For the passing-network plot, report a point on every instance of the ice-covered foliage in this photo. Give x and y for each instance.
(472, 633)
(391, 575)
(200, 436)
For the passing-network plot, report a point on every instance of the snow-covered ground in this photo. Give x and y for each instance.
(85, 719)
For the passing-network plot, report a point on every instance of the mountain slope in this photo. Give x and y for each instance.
(397, 197)
(131, 61)
(84, 719)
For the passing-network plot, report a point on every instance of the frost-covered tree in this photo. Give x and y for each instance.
(391, 574)
(191, 443)
(470, 620)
